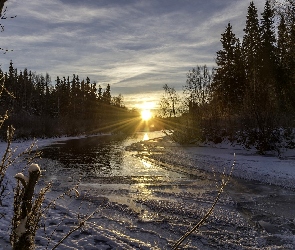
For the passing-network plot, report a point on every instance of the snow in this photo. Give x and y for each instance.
(21, 228)
(34, 168)
(248, 165)
(21, 176)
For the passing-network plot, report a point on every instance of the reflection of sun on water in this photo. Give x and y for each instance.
(143, 190)
(146, 164)
(145, 137)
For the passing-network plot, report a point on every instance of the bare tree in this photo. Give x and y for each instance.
(170, 103)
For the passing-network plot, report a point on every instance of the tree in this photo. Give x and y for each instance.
(197, 92)
(229, 79)
(291, 45)
(106, 95)
(197, 86)
(282, 44)
(251, 47)
(284, 72)
(260, 108)
(170, 102)
(118, 101)
(268, 41)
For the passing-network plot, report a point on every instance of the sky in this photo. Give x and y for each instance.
(136, 46)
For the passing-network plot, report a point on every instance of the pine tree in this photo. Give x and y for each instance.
(26, 90)
(99, 94)
(268, 40)
(106, 96)
(283, 65)
(58, 88)
(282, 45)
(291, 42)
(269, 62)
(228, 83)
(47, 102)
(251, 47)
(286, 57)
(73, 97)
(291, 53)
(260, 106)
(10, 83)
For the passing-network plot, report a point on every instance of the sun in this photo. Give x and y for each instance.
(146, 114)
(146, 110)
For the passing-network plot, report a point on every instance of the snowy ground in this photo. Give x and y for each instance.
(153, 214)
(248, 164)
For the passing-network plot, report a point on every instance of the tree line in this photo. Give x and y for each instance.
(249, 95)
(70, 106)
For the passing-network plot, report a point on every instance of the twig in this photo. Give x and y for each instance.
(205, 217)
(81, 224)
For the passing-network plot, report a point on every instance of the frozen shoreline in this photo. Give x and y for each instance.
(248, 165)
(268, 169)
(215, 157)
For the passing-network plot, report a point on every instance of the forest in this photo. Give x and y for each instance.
(38, 108)
(249, 96)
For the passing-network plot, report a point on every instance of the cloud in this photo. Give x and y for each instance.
(134, 45)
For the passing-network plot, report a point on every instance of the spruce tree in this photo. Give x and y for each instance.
(107, 95)
(286, 57)
(291, 46)
(283, 80)
(260, 107)
(268, 40)
(251, 46)
(251, 53)
(229, 77)
(282, 44)
(291, 42)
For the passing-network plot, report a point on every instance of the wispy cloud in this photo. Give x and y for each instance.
(134, 45)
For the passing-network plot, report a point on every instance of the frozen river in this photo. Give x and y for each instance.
(151, 203)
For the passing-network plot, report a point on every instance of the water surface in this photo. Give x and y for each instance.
(163, 201)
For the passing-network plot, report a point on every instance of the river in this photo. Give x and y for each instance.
(151, 204)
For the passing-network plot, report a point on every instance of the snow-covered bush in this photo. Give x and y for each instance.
(27, 213)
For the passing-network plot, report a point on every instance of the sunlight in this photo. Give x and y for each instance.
(146, 110)
(147, 105)
(146, 137)
(146, 114)
(146, 164)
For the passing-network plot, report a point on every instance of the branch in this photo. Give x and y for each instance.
(81, 224)
(205, 217)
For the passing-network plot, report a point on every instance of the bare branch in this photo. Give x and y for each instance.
(224, 182)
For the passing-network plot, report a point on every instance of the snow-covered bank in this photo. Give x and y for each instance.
(249, 165)
(19, 162)
(153, 214)
(209, 157)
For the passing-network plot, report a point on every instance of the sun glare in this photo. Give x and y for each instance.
(146, 114)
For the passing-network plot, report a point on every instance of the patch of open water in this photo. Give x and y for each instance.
(248, 216)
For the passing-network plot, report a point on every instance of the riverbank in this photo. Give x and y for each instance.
(269, 169)
(153, 215)
(210, 157)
